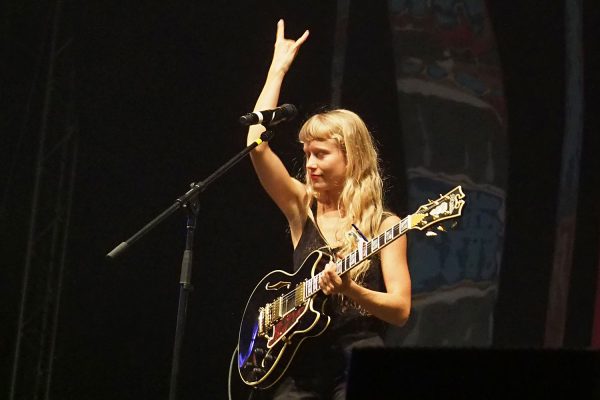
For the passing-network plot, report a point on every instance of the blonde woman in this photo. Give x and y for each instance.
(342, 188)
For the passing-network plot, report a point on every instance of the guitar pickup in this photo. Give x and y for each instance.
(261, 321)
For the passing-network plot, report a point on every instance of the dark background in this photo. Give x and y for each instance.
(159, 88)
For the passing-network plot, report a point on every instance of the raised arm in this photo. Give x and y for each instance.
(287, 192)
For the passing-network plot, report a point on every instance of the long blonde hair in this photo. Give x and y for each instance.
(361, 199)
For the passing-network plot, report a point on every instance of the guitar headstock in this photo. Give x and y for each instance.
(448, 206)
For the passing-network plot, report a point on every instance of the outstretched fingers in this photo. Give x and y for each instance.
(280, 35)
(280, 30)
(301, 40)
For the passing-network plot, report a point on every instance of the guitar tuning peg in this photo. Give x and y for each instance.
(430, 233)
(441, 228)
(453, 224)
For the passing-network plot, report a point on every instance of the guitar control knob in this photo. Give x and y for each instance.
(248, 365)
(258, 373)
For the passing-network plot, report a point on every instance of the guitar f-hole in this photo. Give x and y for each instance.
(278, 285)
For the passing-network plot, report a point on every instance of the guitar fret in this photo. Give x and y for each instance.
(389, 235)
(375, 244)
(404, 225)
(353, 258)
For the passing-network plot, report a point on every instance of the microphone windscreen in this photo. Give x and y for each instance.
(290, 111)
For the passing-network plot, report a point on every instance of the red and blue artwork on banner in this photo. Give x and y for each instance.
(453, 120)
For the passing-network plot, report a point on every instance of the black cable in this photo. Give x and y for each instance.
(230, 369)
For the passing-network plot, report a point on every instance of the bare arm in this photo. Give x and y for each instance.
(287, 192)
(393, 305)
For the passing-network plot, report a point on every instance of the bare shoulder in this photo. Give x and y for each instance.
(389, 220)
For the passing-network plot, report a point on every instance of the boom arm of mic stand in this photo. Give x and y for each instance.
(181, 201)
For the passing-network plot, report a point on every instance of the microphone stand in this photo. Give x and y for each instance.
(189, 201)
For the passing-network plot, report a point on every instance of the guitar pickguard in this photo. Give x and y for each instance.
(284, 325)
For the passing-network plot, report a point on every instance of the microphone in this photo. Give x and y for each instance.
(266, 118)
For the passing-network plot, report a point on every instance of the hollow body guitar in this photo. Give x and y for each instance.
(285, 309)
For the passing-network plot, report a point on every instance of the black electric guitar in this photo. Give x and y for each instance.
(285, 309)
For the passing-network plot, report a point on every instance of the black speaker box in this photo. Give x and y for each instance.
(461, 373)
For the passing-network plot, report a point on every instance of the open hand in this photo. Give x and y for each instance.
(285, 49)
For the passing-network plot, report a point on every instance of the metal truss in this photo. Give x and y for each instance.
(48, 232)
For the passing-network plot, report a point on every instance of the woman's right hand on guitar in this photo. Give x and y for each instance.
(331, 283)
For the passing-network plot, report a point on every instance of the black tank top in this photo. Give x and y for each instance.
(345, 315)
